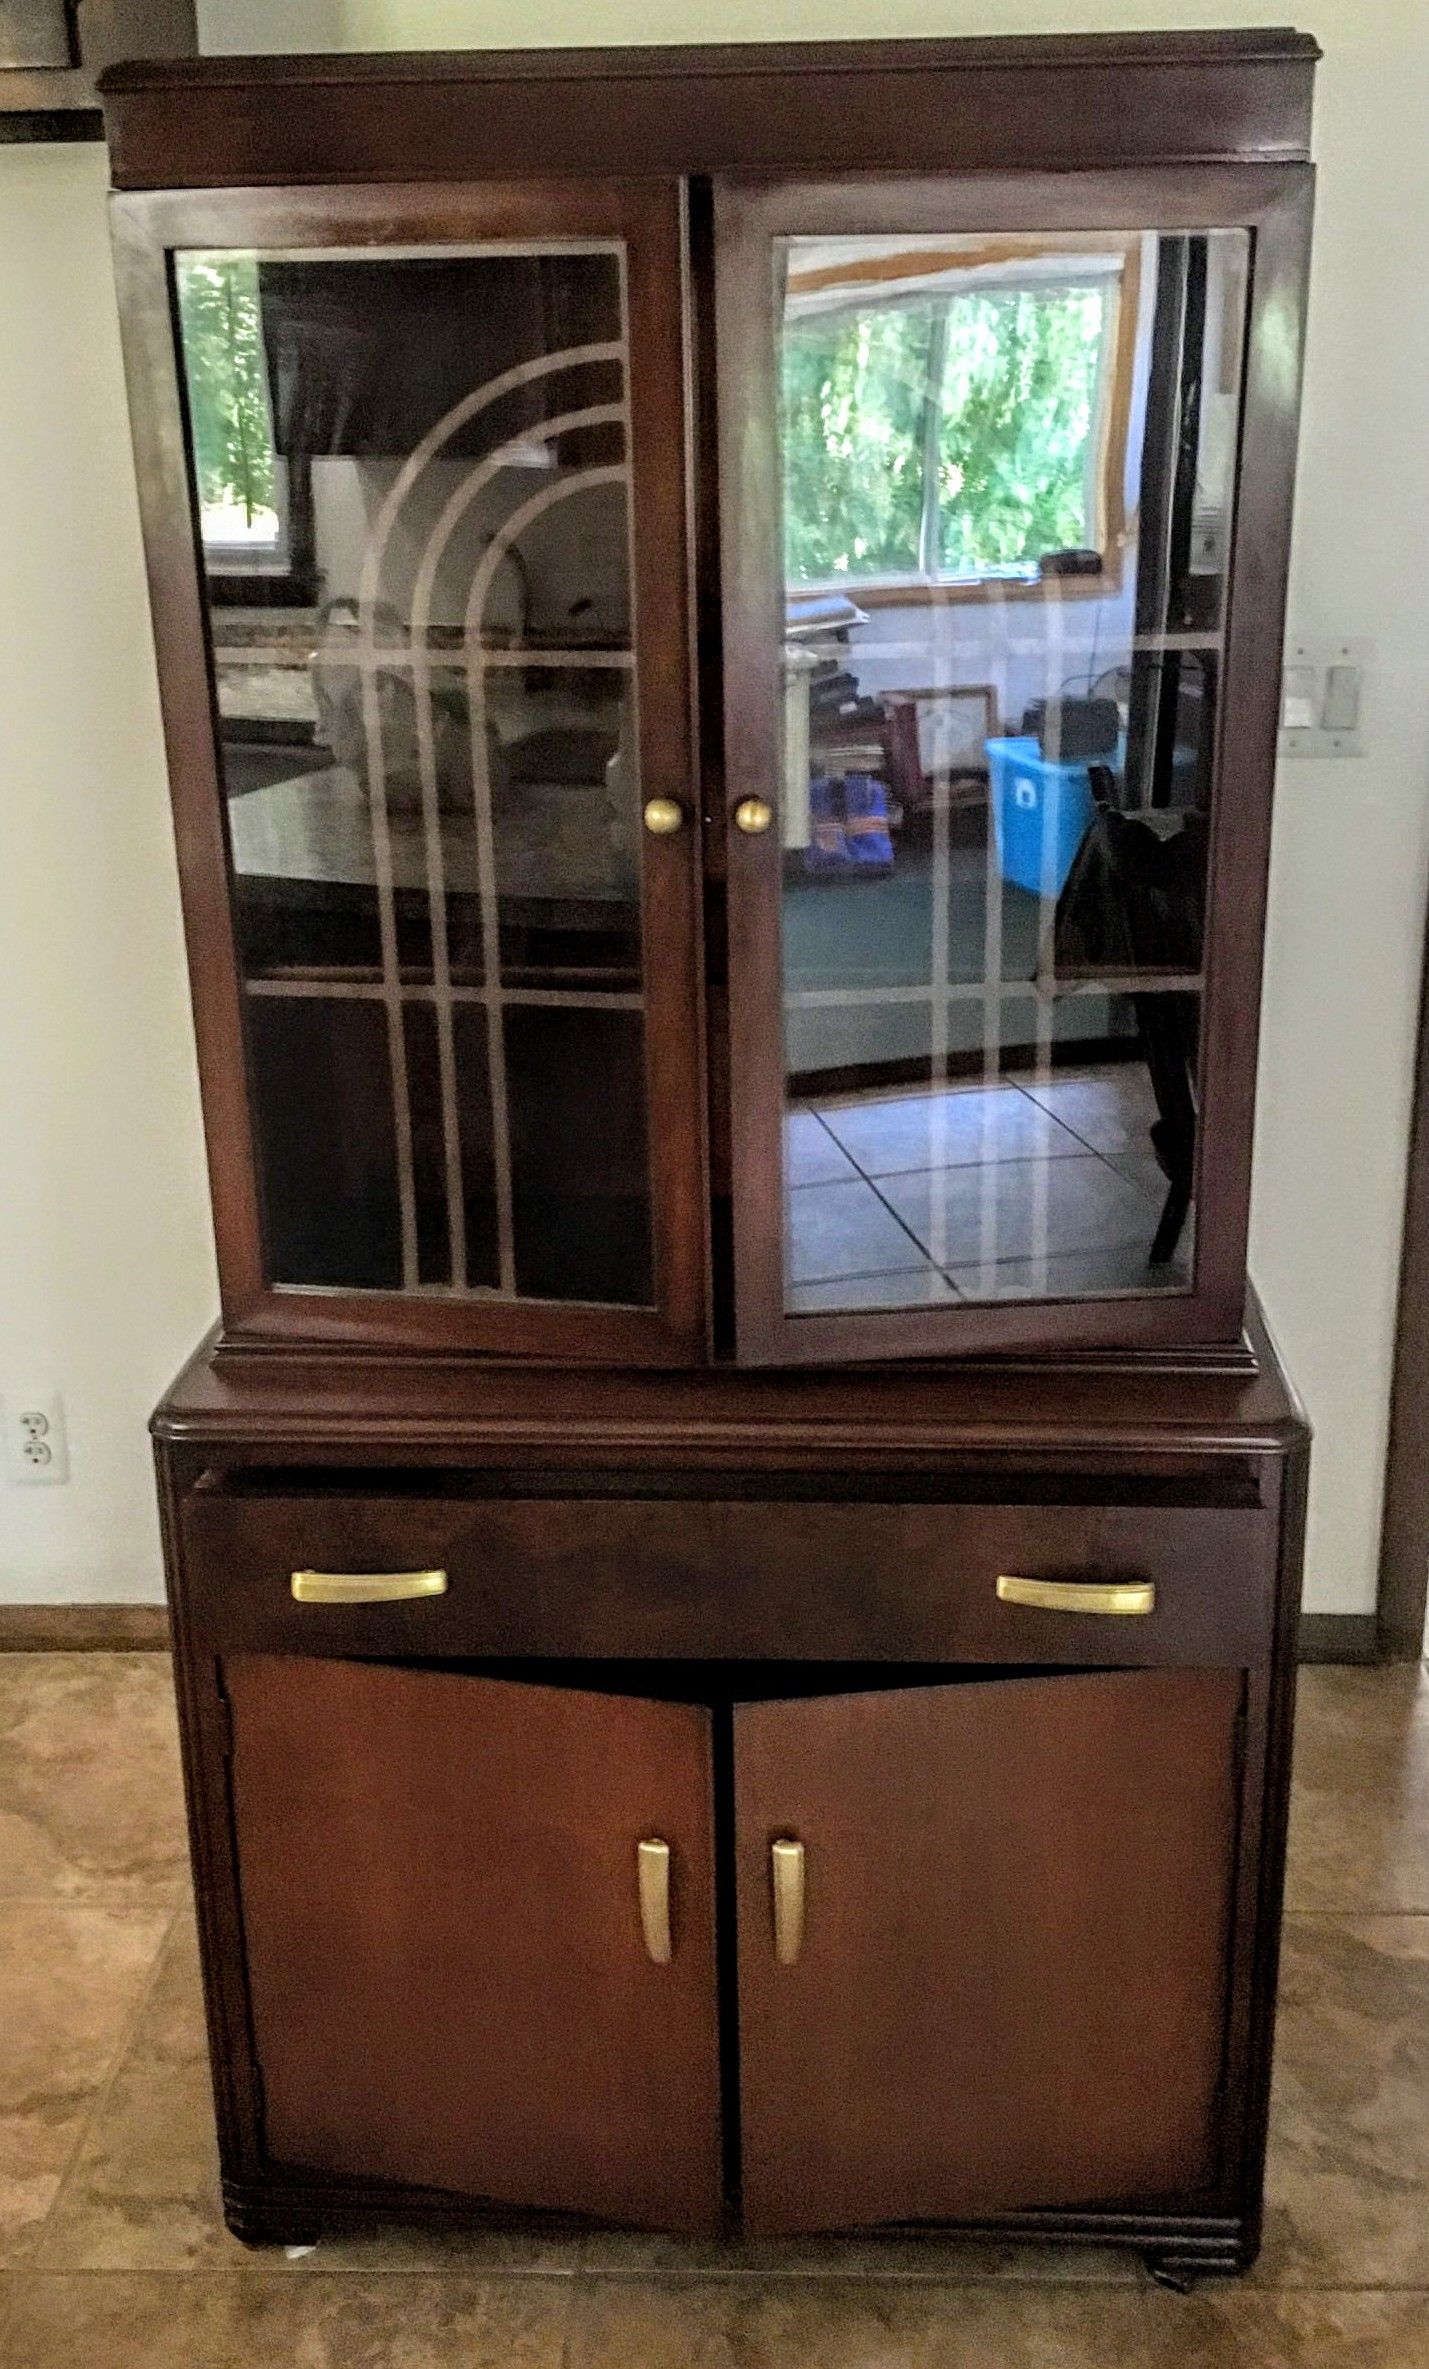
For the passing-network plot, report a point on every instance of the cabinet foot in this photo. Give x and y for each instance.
(267, 2221)
(1182, 2273)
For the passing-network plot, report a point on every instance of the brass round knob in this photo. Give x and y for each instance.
(753, 815)
(662, 816)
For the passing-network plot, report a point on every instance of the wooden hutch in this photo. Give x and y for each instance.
(735, 1552)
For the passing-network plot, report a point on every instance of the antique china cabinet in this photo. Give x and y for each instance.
(734, 1554)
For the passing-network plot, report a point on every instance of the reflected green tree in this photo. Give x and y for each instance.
(855, 393)
(224, 366)
(955, 431)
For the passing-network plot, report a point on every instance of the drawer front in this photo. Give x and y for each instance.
(641, 1577)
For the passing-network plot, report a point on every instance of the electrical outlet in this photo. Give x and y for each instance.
(36, 1447)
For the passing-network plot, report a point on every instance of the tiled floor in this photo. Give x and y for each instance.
(1033, 1187)
(113, 2256)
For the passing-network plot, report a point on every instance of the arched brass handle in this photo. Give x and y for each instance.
(366, 1587)
(652, 1875)
(663, 816)
(786, 1859)
(1115, 1597)
(753, 815)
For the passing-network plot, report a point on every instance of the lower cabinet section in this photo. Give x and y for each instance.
(921, 1952)
(449, 1983)
(1011, 1991)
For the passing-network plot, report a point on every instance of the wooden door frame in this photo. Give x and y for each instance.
(1274, 204)
(646, 219)
(1404, 1537)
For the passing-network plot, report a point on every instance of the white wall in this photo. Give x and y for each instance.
(106, 1269)
(105, 1266)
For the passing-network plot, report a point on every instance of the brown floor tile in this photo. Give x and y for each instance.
(1348, 2184)
(955, 2261)
(1359, 1819)
(1235, 2328)
(72, 1975)
(90, 1800)
(142, 2191)
(246, 2321)
(828, 2324)
(456, 2253)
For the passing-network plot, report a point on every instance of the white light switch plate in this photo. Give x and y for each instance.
(1322, 699)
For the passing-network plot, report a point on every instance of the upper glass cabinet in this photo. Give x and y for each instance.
(421, 516)
(721, 729)
(977, 704)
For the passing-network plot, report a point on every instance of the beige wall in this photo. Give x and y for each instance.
(106, 1269)
(105, 1261)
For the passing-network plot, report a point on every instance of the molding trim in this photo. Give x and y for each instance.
(1339, 1637)
(1404, 1539)
(84, 1628)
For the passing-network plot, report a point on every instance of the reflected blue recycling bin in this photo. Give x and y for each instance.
(1040, 813)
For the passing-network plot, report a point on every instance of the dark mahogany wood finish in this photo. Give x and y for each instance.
(719, 1538)
(647, 220)
(780, 107)
(1044, 1849)
(757, 1578)
(1000, 2002)
(1195, 131)
(1272, 203)
(449, 1980)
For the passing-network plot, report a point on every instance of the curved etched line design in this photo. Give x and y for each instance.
(453, 510)
(369, 583)
(522, 374)
(501, 542)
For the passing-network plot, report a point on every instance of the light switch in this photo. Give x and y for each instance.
(1299, 705)
(1340, 709)
(1322, 699)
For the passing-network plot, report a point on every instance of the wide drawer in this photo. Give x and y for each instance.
(734, 1577)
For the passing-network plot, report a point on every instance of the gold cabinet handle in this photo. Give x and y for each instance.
(663, 816)
(652, 1874)
(753, 815)
(786, 1859)
(366, 1587)
(1119, 1597)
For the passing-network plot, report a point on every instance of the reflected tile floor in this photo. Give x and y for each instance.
(113, 2254)
(1026, 1189)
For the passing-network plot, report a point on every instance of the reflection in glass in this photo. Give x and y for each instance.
(1008, 467)
(412, 506)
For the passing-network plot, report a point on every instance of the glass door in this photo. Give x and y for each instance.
(439, 543)
(979, 661)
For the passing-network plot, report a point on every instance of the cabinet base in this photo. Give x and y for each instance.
(1176, 2253)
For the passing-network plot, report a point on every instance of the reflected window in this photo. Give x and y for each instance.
(253, 508)
(946, 423)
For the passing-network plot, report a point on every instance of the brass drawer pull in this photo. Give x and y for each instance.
(366, 1587)
(652, 1873)
(1079, 1595)
(786, 1859)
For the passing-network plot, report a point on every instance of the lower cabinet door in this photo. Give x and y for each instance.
(1004, 1983)
(455, 1966)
